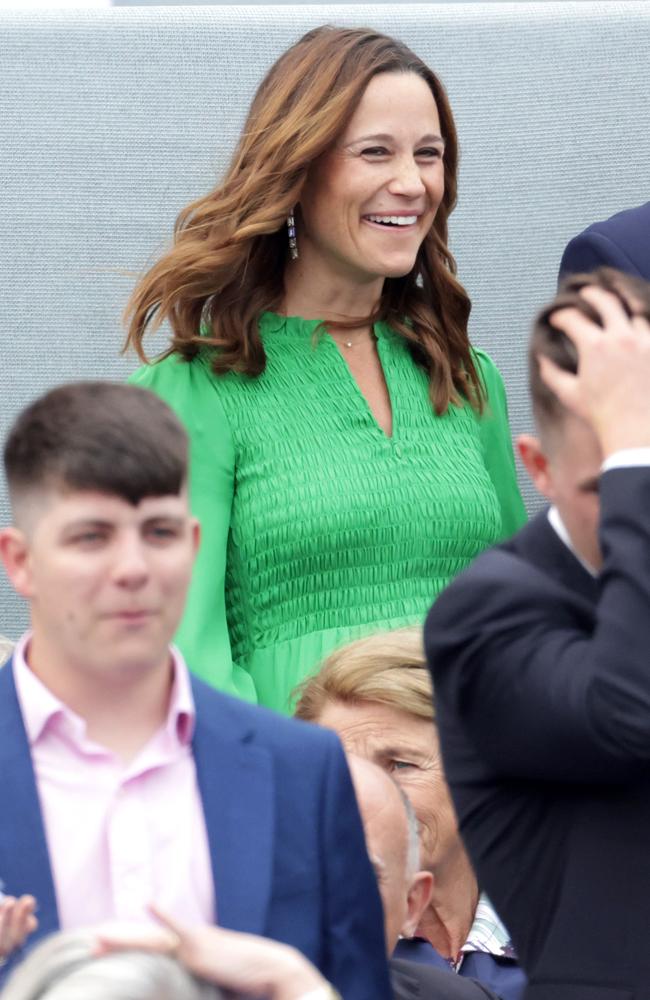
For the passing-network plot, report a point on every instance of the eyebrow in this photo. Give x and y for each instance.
(96, 522)
(386, 137)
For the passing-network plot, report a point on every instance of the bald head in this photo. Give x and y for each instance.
(391, 839)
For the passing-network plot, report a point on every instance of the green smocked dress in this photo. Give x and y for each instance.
(317, 528)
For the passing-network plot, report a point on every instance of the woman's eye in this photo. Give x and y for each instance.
(430, 153)
(374, 151)
(401, 765)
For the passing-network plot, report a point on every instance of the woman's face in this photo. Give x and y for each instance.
(407, 747)
(369, 202)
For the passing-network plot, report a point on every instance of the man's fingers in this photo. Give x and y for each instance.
(575, 324)
(563, 384)
(608, 306)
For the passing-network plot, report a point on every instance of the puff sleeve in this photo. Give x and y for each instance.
(190, 388)
(497, 448)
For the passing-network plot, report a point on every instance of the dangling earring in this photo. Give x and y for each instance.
(291, 229)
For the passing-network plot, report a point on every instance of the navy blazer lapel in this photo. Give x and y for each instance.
(24, 859)
(235, 779)
(539, 543)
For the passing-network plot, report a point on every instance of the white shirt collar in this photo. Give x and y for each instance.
(560, 530)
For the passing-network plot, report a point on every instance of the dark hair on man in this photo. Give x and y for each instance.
(546, 340)
(116, 439)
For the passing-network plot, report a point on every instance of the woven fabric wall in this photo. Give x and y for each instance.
(111, 121)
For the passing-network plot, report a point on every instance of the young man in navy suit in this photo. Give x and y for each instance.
(622, 241)
(124, 780)
(540, 654)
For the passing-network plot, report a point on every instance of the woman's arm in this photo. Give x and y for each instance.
(191, 391)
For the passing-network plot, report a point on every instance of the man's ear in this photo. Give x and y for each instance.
(536, 462)
(419, 896)
(15, 555)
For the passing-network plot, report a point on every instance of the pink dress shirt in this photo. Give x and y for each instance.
(119, 836)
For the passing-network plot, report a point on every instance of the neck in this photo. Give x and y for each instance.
(448, 919)
(313, 291)
(122, 709)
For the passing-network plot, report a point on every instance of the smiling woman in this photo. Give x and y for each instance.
(350, 449)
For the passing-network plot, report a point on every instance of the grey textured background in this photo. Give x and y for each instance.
(111, 121)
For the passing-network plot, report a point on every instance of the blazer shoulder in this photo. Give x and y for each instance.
(416, 979)
(240, 720)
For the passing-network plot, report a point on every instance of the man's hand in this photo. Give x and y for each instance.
(612, 388)
(17, 921)
(244, 963)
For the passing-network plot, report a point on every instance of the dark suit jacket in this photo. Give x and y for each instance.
(502, 975)
(286, 843)
(623, 241)
(415, 981)
(542, 679)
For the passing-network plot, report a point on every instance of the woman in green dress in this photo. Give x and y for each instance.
(350, 450)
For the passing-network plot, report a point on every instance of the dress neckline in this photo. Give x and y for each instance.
(297, 326)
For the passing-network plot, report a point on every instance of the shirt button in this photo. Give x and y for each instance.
(398, 451)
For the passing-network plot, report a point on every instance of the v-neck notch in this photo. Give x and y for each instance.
(298, 327)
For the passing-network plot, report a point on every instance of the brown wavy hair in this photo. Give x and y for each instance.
(226, 264)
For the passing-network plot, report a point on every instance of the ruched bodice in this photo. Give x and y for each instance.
(333, 529)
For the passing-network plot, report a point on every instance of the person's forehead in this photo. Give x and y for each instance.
(69, 506)
(382, 99)
(380, 728)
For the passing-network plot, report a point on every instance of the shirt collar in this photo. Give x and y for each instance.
(560, 530)
(40, 707)
(487, 933)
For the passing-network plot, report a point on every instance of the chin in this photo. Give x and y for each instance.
(397, 271)
(141, 651)
(397, 266)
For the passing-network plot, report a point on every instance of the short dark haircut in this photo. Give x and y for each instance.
(116, 439)
(547, 341)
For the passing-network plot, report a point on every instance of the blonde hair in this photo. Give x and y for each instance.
(387, 667)
(64, 967)
(226, 266)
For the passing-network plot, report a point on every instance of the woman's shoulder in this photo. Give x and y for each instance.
(177, 379)
(190, 387)
(490, 375)
(172, 370)
(485, 362)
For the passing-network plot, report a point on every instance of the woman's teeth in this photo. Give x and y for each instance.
(393, 220)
